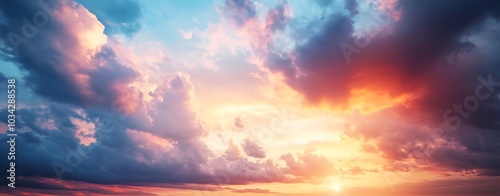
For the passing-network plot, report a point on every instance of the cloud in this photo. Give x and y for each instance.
(234, 168)
(476, 153)
(172, 104)
(152, 152)
(356, 170)
(459, 187)
(307, 165)
(51, 186)
(278, 17)
(403, 66)
(85, 131)
(59, 152)
(119, 17)
(251, 148)
(259, 34)
(335, 67)
(3, 79)
(240, 11)
(64, 56)
(352, 6)
(252, 191)
(410, 146)
(238, 123)
(95, 123)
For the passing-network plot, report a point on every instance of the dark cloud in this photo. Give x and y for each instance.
(325, 75)
(481, 153)
(410, 58)
(398, 63)
(60, 146)
(40, 145)
(3, 80)
(352, 6)
(51, 53)
(119, 17)
(410, 146)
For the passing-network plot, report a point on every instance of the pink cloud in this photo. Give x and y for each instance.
(307, 165)
(85, 131)
(253, 149)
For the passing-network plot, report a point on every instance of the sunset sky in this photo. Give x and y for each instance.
(246, 97)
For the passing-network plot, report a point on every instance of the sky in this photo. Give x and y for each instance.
(246, 97)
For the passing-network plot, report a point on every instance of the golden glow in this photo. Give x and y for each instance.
(368, 101)
(337, 188)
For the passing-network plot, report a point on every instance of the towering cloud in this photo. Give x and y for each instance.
(61, 46)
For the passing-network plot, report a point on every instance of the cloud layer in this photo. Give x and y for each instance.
(423, 65)
(417, 83)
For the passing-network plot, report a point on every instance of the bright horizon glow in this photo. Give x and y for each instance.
(252, 97)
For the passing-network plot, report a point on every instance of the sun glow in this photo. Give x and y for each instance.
(337, 187)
